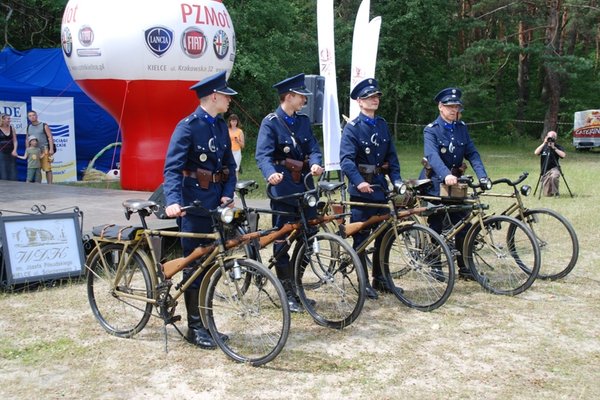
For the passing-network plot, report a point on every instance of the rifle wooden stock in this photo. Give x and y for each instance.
(172, 267)
(322, 219)
(287, 228)
(411, 211)
(351, 228)
(231, 243)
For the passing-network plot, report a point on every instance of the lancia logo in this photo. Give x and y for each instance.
(159, 40)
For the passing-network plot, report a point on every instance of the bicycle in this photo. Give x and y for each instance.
(328, 279)
(415, 260)
(555, 235)
(500, 251)
(127, 284)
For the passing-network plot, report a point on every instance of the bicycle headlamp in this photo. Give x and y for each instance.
(486, 183)
(310, 200)
(226, 214)
(525, 190)
(400, 187)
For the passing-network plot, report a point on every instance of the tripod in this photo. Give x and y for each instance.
(545, 170)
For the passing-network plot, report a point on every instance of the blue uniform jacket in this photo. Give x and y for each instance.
(363, 143)
(447, 148)
(277, 140)
(198, 141)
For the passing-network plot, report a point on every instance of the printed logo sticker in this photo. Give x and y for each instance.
(67, 42)
(193, 42)
(86, 36)
(159, 40)
(221, 44)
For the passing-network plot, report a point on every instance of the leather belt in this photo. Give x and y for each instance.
(216, 178)
(282, 162)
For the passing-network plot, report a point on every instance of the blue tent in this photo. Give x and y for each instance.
(43, 72)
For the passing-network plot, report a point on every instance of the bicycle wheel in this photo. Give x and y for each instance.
(419, 264)
(504, 256)
(557, 240)
(119, 289)
(256, 320)
(330, 280)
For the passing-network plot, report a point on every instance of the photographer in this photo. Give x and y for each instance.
(550, 169)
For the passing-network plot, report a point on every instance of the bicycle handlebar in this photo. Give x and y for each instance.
(520, 179)
(483, 183)
(292, 195)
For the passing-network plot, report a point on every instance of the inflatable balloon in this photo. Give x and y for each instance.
(137, 59)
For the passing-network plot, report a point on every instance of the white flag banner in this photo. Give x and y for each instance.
(331, 114)
(17, 111)
(365, 41)
(58, 113)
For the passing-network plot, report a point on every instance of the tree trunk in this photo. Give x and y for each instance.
(523, 73)
(551, 79)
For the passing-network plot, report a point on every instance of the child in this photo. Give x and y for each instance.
(33, 155)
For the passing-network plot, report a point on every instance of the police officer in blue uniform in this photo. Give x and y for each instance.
(287, 150)
(199, 165)
(367, 155)
(447, 143)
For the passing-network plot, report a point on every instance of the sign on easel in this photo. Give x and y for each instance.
(41, 247)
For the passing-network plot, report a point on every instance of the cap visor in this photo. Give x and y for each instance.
(303, 92)
(452, 103)
(228, 91)
(370, 94)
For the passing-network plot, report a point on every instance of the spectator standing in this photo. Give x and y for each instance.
(33, 155)
(43, 134)
(8, 149)
(237, 140)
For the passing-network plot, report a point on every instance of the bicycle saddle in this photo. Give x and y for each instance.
(330, 186)
(135, 205)
(240, 185)
(417, 183)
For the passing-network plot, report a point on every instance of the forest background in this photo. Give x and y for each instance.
(525, 66)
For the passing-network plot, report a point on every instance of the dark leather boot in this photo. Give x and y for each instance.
(197, 334)
(293, 303)
(285, 276)
(369, 291)
(464, 272)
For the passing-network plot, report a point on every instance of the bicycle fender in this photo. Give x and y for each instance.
(204, 289)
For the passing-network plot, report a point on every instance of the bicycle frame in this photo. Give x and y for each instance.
(214, 258)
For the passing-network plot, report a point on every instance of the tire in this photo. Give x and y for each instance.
(420, 265)
(504, 256)
(119, 315)
(256, 320)
(557, 240)
(330, 282)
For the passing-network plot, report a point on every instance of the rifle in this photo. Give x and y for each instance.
(172, 267)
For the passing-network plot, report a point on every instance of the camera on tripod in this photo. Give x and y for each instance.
(551, 139)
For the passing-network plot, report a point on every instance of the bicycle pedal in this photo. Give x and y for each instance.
(174, 318)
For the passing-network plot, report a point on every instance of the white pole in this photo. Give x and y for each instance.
(331, 113)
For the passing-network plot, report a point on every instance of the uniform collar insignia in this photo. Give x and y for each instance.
(289, 120)
(368, 121)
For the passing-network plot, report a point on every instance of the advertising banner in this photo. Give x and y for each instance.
(58, 114)
(331, 115)
(17, 111)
